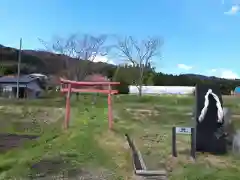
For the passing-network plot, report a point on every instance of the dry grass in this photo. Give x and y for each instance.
(91, 148)
(150, 126)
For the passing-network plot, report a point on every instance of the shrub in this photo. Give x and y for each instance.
(123, 87)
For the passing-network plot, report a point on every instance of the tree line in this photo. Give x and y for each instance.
(127, 75)
(137, 56)
(135, 67)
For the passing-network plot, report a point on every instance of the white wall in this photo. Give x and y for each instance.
(163, 89)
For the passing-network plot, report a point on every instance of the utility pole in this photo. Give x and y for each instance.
(19, 66)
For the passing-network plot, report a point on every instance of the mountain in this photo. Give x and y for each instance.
(199, 76)
(203, 77)
(40, 61)
(49, 63)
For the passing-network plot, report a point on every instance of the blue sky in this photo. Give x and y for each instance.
(200, 36)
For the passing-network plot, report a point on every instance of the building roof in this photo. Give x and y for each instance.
(38, 75)
(13, 79)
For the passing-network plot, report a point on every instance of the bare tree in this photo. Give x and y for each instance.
(139, 54)
(80, 47)
(88, 48)
(63, 47)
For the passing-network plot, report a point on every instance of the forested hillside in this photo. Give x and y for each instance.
(55, 64)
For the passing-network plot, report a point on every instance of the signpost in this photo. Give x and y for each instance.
(187, 131)
(183, 130)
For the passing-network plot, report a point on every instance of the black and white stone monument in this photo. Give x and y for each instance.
(209, 118)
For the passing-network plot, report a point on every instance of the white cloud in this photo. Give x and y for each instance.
(103, 59)
(223, 73)
(228, 74)
(213, 70)
(234, 10)
(184, 66)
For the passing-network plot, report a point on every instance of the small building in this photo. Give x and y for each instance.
(28, 87)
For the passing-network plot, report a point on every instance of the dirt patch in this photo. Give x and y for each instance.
(154, 138)
(14, 125)
(142, 113)
(52, 167)
(235, 115)
(118, 149)
(48, 115)
(26, 127)
(9, 141)
(221, 162)
(61, 168)
(172, 108)
(41, 114)
(171, 163)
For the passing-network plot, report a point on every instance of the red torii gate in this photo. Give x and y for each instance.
(69, 89)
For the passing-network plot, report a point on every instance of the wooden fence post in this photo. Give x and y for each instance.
(110, 118)
(68, 107)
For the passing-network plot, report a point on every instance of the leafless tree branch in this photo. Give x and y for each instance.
(80, 47)
(139, 53)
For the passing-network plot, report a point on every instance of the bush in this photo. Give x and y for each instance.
(123, 87)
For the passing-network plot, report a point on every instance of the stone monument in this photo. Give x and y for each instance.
(209, 118)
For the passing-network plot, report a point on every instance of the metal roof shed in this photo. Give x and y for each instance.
(29, 86)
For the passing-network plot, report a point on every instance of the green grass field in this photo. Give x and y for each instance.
(88, 149)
